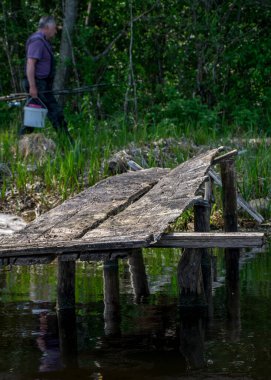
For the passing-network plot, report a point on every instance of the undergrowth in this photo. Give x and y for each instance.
(73, 168)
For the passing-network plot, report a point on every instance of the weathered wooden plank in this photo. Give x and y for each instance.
(74, 217)
(70, 246)
(211, 240)
(103, 250)
(225, 156)
(150, 216)
(141, 223)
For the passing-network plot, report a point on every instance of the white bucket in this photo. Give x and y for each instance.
(34, 117)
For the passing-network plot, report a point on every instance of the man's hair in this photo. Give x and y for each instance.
(45, 20)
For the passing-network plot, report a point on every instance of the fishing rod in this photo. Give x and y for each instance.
(78, 90)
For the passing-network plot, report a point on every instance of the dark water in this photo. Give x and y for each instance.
(126, 335)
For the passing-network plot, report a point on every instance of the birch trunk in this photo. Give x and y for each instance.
(66, 50)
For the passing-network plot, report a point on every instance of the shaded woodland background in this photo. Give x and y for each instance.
(171, 61)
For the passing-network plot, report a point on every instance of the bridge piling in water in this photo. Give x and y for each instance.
(111, 297)
(229, 199)
(194, 271)
(229, 195)
(202, 212)
(66, 284)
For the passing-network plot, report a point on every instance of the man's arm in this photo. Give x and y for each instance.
(30, 73)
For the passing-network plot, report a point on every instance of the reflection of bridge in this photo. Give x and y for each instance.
(159, 331)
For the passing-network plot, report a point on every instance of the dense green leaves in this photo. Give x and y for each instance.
(216, 53)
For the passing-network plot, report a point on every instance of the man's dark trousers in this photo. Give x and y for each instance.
(55, 112)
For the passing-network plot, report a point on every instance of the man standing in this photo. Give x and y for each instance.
(40, 70)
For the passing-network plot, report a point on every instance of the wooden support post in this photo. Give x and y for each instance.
(208, 190)
(66, 284)
(202, 211)
(229, 195)
(66, 312)
(138, 275)
(229, 199)
(192, 281)
(111, 297)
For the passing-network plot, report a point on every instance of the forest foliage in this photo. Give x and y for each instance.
(196, 71)
(166, 61)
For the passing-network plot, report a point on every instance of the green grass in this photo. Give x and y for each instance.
(73, 168)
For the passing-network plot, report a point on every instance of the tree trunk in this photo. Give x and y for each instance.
(66, 51)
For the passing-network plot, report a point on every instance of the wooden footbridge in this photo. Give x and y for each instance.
(132, 210)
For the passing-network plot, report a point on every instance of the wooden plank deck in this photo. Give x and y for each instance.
(147, 219)
(74, 217)
(141, 209)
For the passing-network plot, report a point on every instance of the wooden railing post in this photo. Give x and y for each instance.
(229, 195)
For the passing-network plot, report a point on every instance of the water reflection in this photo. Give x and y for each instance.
(138, 276)
(195, 278)
(127, 331)
(48, 343)
(232, 286)
(67, 330)
(195, 275)
(208, 270)
(187, 337)
(192, 330)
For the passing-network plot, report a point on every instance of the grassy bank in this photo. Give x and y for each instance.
(70, 169)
